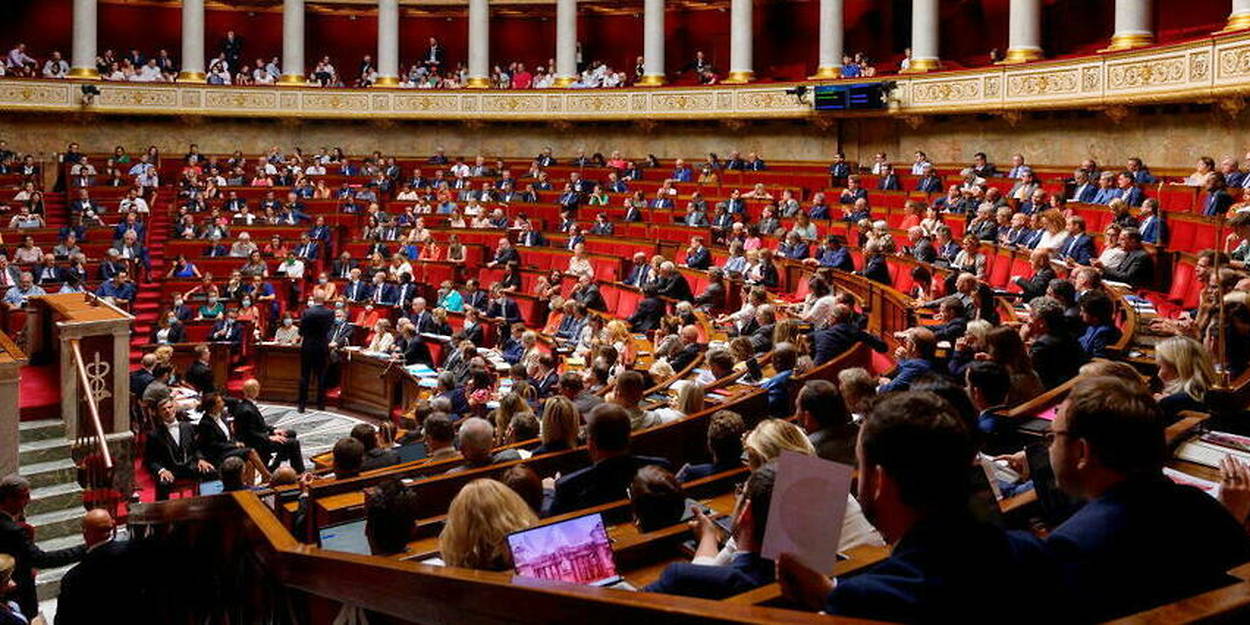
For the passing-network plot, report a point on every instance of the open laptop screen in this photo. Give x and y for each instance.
(347, 537)
(577, 550)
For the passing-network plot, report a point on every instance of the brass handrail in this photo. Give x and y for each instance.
(91, 404)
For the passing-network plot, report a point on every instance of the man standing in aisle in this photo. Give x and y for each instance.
(314, 352)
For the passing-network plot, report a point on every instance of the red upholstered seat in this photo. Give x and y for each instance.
(1019, 267)
(1000, 272)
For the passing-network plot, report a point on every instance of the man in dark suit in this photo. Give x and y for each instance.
(587, 293)
(435, 56)
(673, 284)
(920, 246)
(839, 170)
(502, 307)
(649, 312)
(504, 254)
(314, 352)
(875, 267)
(930, 181)
(200, 373)
(613, 468)
(1109, 449)
(712, 299)
(748, 570)
(766, 322)
(698, 256)
(342, 267)
(141, 378)
(690, 348)
(357, 290)
(89, 591)
(228, 330)
(272, 445)
(638, 272)
(889, 180)
(529, 237)
(232, 46)
(474, 295)
(835, 339)
(1055, 353)
(1136, 268)
(822, 412)
(914, 452)
(1035, 285)
(17, 540)
(171, 452)
(1079, 247)
(1218, 200)
(383, 291)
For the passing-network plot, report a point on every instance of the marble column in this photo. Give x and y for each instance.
(1024, 38)
(1239, 19)
(741, 42)
(924, 36)
(388, 43)
(293, 67)
(566, 43)
(83, 52)
(653, 74)
(1132, 25)
(832, 35)
(192, 41)
(479, 44)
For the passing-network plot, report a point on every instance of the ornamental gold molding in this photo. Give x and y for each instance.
(1206, 70)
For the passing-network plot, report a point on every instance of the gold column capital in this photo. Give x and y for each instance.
(651, 80)
(192, 77)
(89, 73)
(1022, 55)
(738, 78)
(1129, 41)
(477, 82)
(826, 72)
(386, 81)
(292, 79)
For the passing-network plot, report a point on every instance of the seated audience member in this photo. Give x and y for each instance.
(690, 348)
(1035, 285)
(1055, 353)
(628, 394)
(171, 452)
(1108, 448)
(1097, 311)
(915, 358)
(843, 333)
(823, 414)
(747, 570)
(777, 387)
(613, 468)
(214, 438)
(376, 456)
(657, 499)
(987, 383)
(476, 437)
(391, 515)
(724, 442)
(272, 445)
(1187, 373)
(954, 321)
(482, 515)
(440, 433)
(1136, 268)
(913, 458)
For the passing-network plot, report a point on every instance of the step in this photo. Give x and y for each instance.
(43, 450)
(43, 474)
(55, 497)
(57, 523)
(48, 581)
(40, 429)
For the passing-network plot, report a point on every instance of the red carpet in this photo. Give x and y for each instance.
(39, 393)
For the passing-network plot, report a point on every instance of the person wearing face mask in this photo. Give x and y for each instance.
(181, 310)
(169, 329)
(287, 333)
(249, 311)
(212, 309)
(324, 288)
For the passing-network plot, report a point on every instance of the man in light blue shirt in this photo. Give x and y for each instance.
(26, 288)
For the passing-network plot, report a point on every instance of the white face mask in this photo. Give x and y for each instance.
(288, 322)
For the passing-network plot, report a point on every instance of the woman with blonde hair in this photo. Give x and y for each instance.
(1005, 347)
(558, 428)
(688, 400)
(1187, 373)
(479, 520)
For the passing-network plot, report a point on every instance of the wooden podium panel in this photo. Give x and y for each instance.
(369, 385)
(277, 370)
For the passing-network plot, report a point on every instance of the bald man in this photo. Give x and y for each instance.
(89, 591)
(690, 348)
(273, 446)
(139, 380)
(476, 437)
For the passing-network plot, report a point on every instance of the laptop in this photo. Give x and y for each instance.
(577, 550)
(411, 452)
(214, 487)
(347, 537)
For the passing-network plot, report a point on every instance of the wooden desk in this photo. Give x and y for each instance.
(277, 370)
(369, 384)
(219, 354)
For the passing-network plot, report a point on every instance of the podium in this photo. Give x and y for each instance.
(60, 325)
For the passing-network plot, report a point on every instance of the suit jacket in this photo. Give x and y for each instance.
(676, 287)
(1097, 339)
(404, 294)
(599, 483)
(936, 571)
(533, 238)
(906, 372)
(503, 257)
(777, 389)
(762, 338)
(930, 184)
(314, 329)
(249, 425)
(648, 314)
(950, 330)
(1056, 358)
(17, 542)
(1153, 230)
(358, 291)
(1133, 196)
(233, 334)
(1085, 193)
(687, 355)
(876, 269)
(832, 341)
(1217, 203)
(160, 451)
(700, 259)
(591, 298)
(889, 183)
(1079, 248)
(200, 376)
(341, 268)
(1136, 269)
(712, 298)
(89, 591)
(1104, 550)
(637, 275)
(212, 442)
(1036, 285)
(47, 274)
(747, 571)
(505, 309)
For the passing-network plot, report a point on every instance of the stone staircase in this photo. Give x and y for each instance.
(55, 508)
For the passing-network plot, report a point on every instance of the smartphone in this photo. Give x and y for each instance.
(688, 511)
